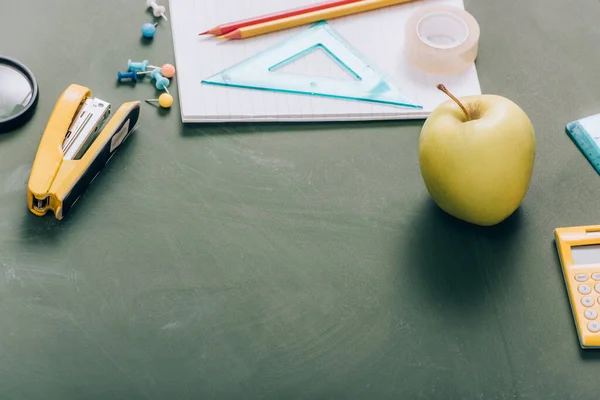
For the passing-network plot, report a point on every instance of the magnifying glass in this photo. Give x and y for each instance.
(18, 94)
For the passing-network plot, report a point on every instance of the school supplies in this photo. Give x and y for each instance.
(135, 68)
(369, 85)
(232, 26)
(165, 100)
(126, 75)
(78, 141)
(142, 68)
(157, 11)
(579, 251)
(18, 94)
(148, 30)
(315, 16)
(167, 70)
(585, 133)
(161, 76)
(441, 39)
(161, 82)
(377, 35)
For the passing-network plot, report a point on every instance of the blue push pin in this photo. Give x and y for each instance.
(156, 73)
(161, 81)
(137, 66)
(149, 29)
(127, 75)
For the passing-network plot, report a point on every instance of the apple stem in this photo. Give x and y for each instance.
(443, 89)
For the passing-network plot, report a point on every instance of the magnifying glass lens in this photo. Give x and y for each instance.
(16, 91)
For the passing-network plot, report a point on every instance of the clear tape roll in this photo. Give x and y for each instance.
(441, 39)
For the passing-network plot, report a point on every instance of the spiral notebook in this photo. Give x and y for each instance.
(376, 35)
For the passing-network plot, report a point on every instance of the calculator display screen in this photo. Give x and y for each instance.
(588, 254)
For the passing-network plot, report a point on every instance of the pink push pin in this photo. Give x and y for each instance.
(167, 70)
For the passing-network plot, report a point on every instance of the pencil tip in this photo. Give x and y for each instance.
(212, 31)
(231, 35)
(203, 33)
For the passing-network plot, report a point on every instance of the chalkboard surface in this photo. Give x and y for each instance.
(290, 261)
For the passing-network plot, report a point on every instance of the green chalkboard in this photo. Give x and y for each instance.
(289, 261)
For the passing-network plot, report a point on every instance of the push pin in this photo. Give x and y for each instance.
(165, 100)
(127, 75)
(148, 29)
(137, 66)
(161, 81)
(167, 70)
(157, 11)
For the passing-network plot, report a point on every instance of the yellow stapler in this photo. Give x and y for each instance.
(78, 142)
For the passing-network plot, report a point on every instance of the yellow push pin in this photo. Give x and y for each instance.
(165, 100)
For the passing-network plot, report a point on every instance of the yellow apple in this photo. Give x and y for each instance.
(476, 156)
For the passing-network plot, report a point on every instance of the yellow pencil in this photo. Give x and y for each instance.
(315, 16)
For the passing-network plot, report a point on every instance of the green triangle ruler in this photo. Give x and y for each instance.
(261, 71)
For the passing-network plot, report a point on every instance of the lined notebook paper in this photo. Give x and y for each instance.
(377, 35)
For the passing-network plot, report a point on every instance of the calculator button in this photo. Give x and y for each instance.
(597, 287)
(596, 276)
(588, 301)
(590, 314)
(584, 289)
(581, 277)
(594, 326)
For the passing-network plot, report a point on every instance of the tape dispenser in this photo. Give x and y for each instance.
(78, 141)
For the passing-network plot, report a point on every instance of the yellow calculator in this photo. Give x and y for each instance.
(579, 251)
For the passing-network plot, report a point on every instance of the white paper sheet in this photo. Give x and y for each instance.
(378, 35)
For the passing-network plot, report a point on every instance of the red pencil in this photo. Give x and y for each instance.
(232, 26)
